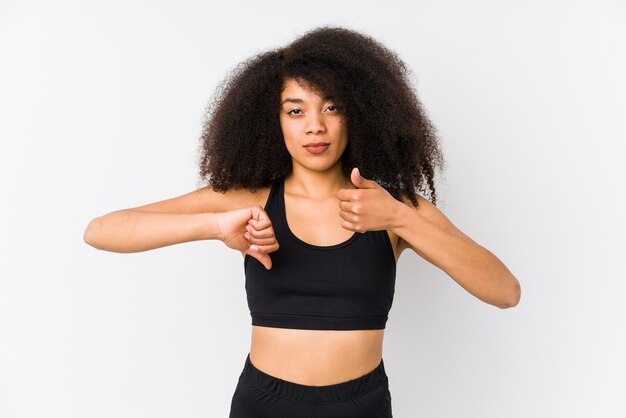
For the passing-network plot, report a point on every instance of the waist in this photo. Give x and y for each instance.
(315, 357)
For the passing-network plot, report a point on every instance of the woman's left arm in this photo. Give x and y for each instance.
(428, 232)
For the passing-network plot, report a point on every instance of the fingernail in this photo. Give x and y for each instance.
(254, 248)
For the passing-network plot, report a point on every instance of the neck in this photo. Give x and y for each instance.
(317, 185)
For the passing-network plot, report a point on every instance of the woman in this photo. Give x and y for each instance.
(313, 154)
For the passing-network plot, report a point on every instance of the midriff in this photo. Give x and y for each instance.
(315, 357)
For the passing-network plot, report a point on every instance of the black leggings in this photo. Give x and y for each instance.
(260, 395)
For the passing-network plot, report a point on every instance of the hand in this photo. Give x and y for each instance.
(249, 231)
(369, 207)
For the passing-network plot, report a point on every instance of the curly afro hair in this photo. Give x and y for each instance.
(390, 138)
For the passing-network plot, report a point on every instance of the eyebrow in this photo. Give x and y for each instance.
(294, 100)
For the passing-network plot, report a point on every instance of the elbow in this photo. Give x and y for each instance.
(513, 296)
(90, 236)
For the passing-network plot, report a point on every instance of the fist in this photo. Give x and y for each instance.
(250, 231)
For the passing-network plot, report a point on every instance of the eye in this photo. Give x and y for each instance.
(333, 106)
(293, 110)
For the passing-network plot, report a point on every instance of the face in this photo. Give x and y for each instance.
(306, 118)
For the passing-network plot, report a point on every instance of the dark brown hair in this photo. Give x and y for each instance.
(390, 138)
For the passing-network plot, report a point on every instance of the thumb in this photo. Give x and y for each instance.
(360, 181)
(262, 257)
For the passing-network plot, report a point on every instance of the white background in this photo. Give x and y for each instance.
(100, 109)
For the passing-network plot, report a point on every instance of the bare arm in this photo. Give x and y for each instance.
(248, 230)
(428, 232)
(190, 217)
(134, 230)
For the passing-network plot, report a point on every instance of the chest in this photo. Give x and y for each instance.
(318, 223)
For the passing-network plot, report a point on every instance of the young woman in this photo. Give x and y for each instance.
(313, 154)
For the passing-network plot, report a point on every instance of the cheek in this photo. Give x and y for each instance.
(344, 144)
(344, 137)
(289, 136)
(289, 140)
(289, 128)
(286, 131)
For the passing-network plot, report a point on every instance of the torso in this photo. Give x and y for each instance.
(316, 357)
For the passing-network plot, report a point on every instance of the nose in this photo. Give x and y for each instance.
(315, 123)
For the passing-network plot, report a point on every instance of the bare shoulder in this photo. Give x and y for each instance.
(205, 199)
(424, 206)
(432, 213)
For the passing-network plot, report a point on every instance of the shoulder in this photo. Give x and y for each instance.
(430, 212)
(424, 206)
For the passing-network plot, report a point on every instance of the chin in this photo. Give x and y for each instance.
(320, 167)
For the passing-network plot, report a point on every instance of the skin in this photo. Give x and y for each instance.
(313, 357)
(323, 208)
(313, 192)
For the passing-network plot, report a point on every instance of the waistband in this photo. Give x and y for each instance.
(315, 394)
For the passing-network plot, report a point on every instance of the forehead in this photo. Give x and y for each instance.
(292, 89)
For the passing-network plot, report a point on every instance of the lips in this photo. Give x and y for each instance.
(317, 147)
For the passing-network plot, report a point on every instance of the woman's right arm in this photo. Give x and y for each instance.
(190, 217)
(130, 230)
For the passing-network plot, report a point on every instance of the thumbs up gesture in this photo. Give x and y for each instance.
(369, 207)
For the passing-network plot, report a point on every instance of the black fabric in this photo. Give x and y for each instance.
(345, 286)
(260, 395)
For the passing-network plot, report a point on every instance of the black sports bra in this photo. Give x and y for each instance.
(345, 286)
